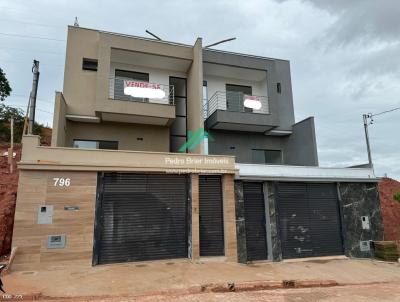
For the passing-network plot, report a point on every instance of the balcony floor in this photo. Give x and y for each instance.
(240, 121)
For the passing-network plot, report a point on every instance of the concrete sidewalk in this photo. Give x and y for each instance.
(140, 278)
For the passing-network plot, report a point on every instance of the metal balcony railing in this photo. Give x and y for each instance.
(236, 102)
(126, 89)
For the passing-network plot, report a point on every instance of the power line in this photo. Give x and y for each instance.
(24, 109)
(32, 23)
(44, 111)
(34, 51)
(387, 111)
(27, 96)
(31, 37)
(16, 61)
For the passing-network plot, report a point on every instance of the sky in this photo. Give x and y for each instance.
(344, 56)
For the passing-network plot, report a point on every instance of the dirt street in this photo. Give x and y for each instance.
(354, 293)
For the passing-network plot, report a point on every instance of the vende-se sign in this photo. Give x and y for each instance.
(252, 101)
(141, 84)
(143, 90)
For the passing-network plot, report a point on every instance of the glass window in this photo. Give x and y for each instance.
(273, 157)
(235, 97)
(89, 64)
(178, 127)
(139, 76)
(90, 144)
(257, 156)
(176, 142)
(261, 156)
(179, 86)
(120, 76)
(180, 106)
(205, 99)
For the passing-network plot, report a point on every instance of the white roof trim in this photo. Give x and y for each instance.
(83, 118)
(303, 173)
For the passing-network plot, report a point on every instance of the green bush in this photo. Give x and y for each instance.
(6, 112)
(397, 196)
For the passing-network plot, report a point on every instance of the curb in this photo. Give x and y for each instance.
(265, 285)
(200, 289)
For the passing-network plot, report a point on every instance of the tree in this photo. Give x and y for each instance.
(6, 112)
(5, 88)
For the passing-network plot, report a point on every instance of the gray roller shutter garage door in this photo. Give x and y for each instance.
(254, 212)
(309, 220)
(211, 216)
(140, 217)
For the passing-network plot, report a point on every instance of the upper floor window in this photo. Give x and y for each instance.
(93, 144)
(120, 76)
(89, 64)
(132, 75)
(235, 97)
(263, 156)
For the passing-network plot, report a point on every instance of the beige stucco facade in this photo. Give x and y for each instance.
(40, 165)
(86, 109)
(130, 136)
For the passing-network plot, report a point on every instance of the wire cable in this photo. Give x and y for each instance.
(27, 97)
(33, 50)
(387, 111)
(31, 37)
(32, 23)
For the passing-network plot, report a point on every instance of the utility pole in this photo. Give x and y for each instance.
(366, 118)
(11, 149)
(32, 98)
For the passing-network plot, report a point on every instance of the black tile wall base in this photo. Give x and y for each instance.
(240, 223)
(273, 216)
(357, 200)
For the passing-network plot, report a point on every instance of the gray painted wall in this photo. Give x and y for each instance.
(284, 100)
(301, 146)
(278, 71)
(243, 142)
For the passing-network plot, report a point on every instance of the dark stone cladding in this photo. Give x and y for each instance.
(359, 199)
(240, 223)
(274, 228)
(189, 218)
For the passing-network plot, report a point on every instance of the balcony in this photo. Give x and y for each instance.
(126, 89)
(235, 111)
(132, 101)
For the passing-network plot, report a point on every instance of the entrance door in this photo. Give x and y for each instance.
(309, 220)
(141, 217)
(254, 210)
(211, 216)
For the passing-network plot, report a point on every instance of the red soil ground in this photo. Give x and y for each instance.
(390, 209)
(8, 195)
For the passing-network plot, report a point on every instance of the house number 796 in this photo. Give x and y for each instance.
(62, 182)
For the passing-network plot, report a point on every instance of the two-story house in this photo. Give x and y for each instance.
(163, 150)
